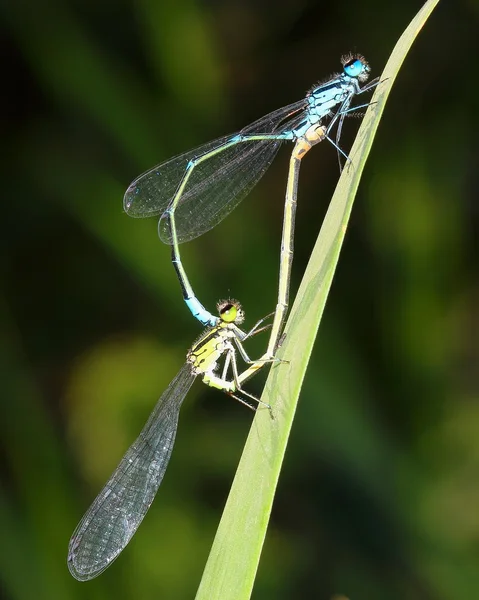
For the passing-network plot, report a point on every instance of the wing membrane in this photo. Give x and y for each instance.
(215, 186)
(112, 519)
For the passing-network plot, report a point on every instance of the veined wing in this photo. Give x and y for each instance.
(115, 515)
(215, 186)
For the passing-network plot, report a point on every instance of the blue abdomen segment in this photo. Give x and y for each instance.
(200, 312)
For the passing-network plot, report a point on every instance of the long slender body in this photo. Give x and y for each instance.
(116, 513)
(196, 190)
(313, 136)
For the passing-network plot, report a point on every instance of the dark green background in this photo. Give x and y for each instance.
(379, 495)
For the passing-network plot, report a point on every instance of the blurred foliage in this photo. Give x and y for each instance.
(379, 493)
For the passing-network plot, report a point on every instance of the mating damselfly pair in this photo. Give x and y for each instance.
(192, 193)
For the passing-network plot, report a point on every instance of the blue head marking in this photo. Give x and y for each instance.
(356, 66)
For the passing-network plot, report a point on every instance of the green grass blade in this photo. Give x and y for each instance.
(234, 557)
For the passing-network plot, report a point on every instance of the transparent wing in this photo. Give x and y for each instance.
(215, 186)
(112, 519)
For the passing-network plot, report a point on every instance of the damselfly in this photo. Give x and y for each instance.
(115, 515)
(194, 191)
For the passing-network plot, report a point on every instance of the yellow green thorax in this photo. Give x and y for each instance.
(214, 343)
(208, 348)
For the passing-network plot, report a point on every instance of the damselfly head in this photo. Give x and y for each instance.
(355, 65)
(230, 311)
